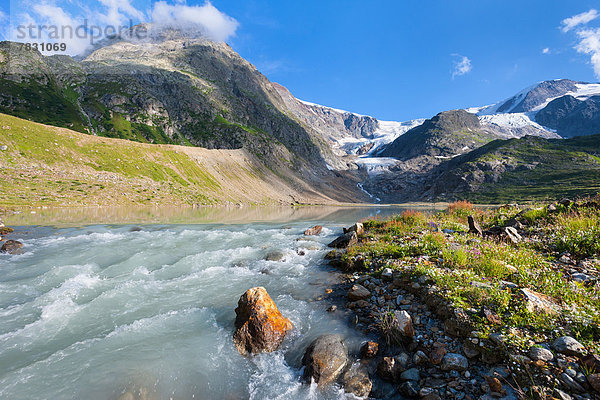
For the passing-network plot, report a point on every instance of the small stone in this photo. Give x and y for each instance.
(420, 358)
(454, 362)
(409, 388)
(570, 383)
(474, 226)
(387, 369)
(403, 324)
(369, 350)
(402, 360)
(357, 382)
(437, 355)
(358, 292)
(410, 375)
(538, 302)
(561, 395)
(594, 381)
(260, 327)
(537, 353)
(497, 338)
(568, 346)
(4, 147)
(332, 308)
(494, 384)
(512, 235)
(387, 275)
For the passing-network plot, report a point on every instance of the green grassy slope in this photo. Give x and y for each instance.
(45, 165)
(531, 168)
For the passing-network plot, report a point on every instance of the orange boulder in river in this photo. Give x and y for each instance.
(260, 327)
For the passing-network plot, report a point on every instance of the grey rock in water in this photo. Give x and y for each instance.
(275, 255)
(325, 359)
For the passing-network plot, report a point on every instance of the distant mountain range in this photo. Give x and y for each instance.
(201, 93)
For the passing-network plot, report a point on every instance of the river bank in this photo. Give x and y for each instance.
(479, 304)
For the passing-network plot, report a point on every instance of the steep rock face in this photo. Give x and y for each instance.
(330, 122)
(175, 91)
(572, 117)
(447, 134)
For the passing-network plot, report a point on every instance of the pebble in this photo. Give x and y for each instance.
(537, 353)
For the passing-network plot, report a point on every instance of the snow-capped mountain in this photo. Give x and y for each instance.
(543, 109)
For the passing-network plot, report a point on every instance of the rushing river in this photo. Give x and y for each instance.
(92, 311)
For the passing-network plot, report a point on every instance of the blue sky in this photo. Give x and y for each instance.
(397, 60)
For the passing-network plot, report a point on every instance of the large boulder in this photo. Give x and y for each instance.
(260, 327)
(12, 247)
(346, 240)
(325, 359)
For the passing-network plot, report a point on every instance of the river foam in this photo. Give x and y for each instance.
(91, 312)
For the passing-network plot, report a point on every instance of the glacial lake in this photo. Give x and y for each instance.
(105, 301)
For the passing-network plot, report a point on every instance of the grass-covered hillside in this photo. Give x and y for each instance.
(526, 169)
(43, 165)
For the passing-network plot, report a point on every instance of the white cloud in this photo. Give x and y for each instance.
(590, 44)
(106, 17)
(461, 66)
(119, 12)
(579, 19)
(546, 50)
(205, 20)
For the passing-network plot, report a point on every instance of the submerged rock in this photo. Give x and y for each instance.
(11, 247)
(346, 240)
(260, 327)
(315, 230)
(325, 359)
(275, 255)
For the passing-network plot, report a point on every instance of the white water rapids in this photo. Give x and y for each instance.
(91, 312)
